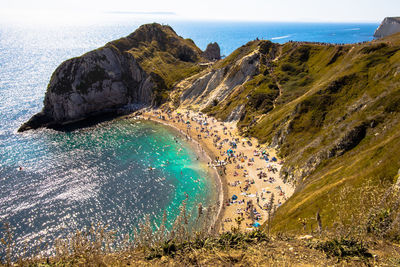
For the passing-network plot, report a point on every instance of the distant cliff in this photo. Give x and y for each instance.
(389, 26)
(126, 72)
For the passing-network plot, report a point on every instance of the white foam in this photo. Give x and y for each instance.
(281, 37)
(353, 29)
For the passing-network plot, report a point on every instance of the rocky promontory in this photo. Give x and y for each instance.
(389, 26)
(125, 73)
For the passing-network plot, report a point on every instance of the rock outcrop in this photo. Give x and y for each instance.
(99, 81)
(216, 85)
(212, 52)
(121, 74)
(389, 26)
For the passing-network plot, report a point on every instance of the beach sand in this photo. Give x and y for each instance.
(239, 174)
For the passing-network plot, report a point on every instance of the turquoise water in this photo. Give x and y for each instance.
(99, 174)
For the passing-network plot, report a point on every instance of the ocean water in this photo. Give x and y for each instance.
(100, 174)
(96, 175)
(231, 35)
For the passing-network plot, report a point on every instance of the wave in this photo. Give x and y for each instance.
(352, 29)
(281, 37)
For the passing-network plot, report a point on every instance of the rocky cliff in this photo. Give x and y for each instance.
(331, 110)
(228, 79)
(126, 72)
(389, 26)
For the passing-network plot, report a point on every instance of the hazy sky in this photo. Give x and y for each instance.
(248, 10)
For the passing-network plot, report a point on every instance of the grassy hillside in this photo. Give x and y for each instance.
(167, 57)
(333, 111)
(257, 94)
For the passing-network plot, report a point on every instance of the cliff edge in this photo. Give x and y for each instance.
(125, 73)
(389, 26)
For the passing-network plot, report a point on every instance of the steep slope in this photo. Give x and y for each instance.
(221, 89)
(332, 110)
(137, 69)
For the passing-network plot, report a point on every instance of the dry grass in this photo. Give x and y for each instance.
(181, 246)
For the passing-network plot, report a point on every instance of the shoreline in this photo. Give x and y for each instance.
(248, 168)
(220, 182)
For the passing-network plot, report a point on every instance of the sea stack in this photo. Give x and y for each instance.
(389, 26)
(212, 52)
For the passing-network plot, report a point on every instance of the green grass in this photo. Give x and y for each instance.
(336, 123)
(160, 52)
(237, 54)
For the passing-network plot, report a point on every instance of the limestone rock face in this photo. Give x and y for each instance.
(218, 84)
(212, 52)
(389, 26)
(99, 81)
(121, 75)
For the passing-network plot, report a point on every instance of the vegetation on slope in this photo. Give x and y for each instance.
(165, 56)
(96, 247)
(333, 111)
(258, 94)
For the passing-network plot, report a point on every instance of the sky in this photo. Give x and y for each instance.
(231, 10)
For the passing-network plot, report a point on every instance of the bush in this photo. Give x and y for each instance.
(215, 102)
(265, 46)
(379, 222)
(343, 248)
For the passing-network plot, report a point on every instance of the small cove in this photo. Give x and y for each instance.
(101, 175)
(69, 180)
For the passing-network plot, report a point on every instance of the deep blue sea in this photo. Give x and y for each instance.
(99, 174)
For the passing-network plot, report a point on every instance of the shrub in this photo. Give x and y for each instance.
(215, 102)
(343, 248)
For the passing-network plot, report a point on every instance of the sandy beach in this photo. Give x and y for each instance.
(248, 173)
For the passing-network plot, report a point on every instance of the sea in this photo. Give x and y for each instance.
(53, 183)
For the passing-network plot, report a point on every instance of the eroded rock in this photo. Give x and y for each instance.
(212, 52)
(389, 26)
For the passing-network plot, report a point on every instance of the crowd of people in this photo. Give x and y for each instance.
(250, 171)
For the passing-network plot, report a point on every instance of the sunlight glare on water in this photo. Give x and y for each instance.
(99, 174)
